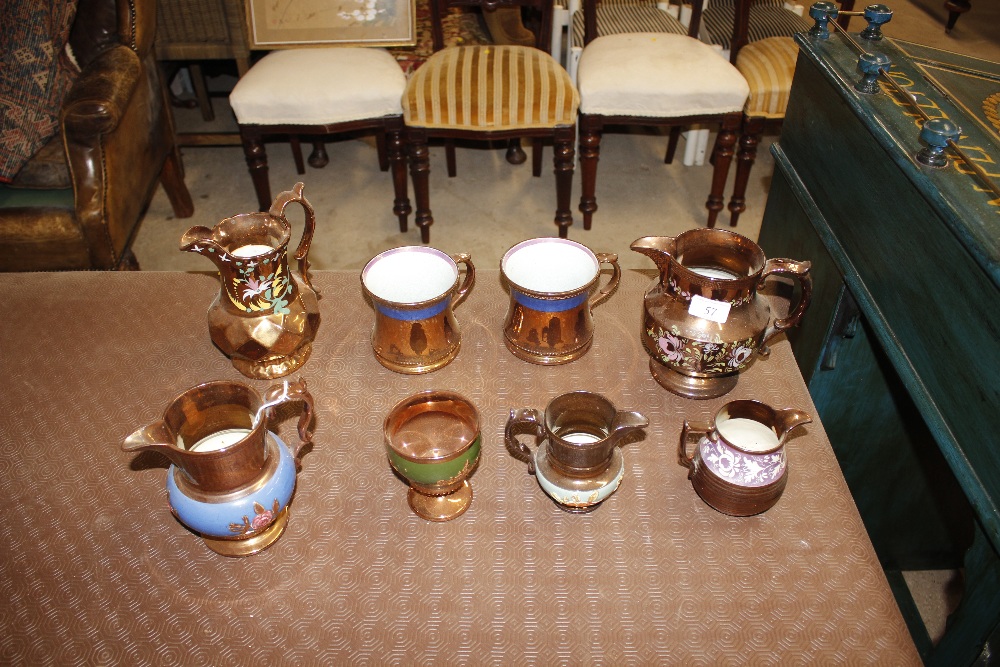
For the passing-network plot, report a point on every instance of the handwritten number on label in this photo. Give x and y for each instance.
(707, 309)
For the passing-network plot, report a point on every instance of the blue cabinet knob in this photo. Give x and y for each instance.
(822, 13)
(870, 65)
(877, 16)
(936, 133)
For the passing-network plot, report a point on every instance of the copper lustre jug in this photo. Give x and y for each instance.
(265, 316)
(704, 321)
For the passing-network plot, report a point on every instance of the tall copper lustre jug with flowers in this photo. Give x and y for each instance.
(704, 321)
(265, 316)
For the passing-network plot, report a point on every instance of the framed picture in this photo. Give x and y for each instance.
(276, 24)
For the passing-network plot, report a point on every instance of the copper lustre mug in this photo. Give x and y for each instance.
(552, 283)
(415, 290)
(739, 465)
(433, 441)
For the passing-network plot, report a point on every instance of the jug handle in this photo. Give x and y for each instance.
(605, 293)
(294, 391)
(470, 278)
(686, 432)
(800, 271)
(302, 252)
(518, 449)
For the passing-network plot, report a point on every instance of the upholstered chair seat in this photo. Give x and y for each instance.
(317, 92)
(768, 66)
(657, 75)
(659, 79)
(438, 99)
(615, 18)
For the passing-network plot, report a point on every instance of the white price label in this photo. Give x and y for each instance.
(707, 309)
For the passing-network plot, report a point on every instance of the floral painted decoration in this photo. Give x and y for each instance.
(716, 356)
(261, 520)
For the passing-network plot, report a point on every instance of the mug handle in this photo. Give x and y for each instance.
(616, 276)
(518, 449)
(800, 271)
(302, 252)
(294, 391)
(470, 278)
(686, 432)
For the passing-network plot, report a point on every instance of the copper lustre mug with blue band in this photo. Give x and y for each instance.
(552, 281)
(414, 291)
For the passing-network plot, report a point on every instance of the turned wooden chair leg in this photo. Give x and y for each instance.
(537, 153)
(296, 144)
(675, 135)
(380, 148)
(564, 160)
(256, 157)
(449, 155)
(172, 180)
(515, 154)
(420, 168)
(319, 158)
(395, 155)
(590, 149)
(749, 140)
(722, 156)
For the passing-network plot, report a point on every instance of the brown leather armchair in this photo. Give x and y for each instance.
(83, 208)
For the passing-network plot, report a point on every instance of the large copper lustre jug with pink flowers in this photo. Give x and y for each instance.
(704, 321)
(265, 316)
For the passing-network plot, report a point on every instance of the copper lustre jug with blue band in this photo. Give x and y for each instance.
(704, 321)
(265, 316)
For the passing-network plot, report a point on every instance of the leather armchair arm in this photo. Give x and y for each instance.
(96, 103)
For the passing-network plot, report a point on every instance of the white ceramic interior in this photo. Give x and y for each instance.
(220, 440)
(748, 434)
(712, 272)
(252, 250)
(550, 265)
(411, 274)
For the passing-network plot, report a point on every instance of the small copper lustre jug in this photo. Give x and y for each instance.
(265, 317)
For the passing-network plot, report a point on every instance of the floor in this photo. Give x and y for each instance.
(491, 205)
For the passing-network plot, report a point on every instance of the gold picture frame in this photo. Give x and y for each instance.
(277, 24)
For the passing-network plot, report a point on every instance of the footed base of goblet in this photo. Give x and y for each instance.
(441, 508)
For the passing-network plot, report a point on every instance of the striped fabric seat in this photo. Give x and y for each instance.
(767, 19)
(516, 87)
(768, 66)
(617, 18)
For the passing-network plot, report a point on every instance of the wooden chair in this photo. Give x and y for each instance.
(488, 93)
(655, 79)
(320, 92)
(768, 65)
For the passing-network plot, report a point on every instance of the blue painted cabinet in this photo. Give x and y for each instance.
(901, 347)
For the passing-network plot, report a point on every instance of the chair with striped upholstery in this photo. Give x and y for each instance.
(766, 18)
(490, 93)
(660, 80)
(768, 65)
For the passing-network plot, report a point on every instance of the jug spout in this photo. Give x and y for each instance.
(788, 420)
(197, 239)
(155, 437)
(660, 249)
(625, 422)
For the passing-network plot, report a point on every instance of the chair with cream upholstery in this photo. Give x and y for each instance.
(487, 93)
(655, 79)
(319, 92)
(768, 66)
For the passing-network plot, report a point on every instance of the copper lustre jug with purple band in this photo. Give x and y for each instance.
(703, 319)
(265, 316)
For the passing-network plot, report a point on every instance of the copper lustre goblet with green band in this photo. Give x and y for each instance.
(433, 441)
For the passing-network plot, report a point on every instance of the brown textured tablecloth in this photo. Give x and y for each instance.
(96, 570)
